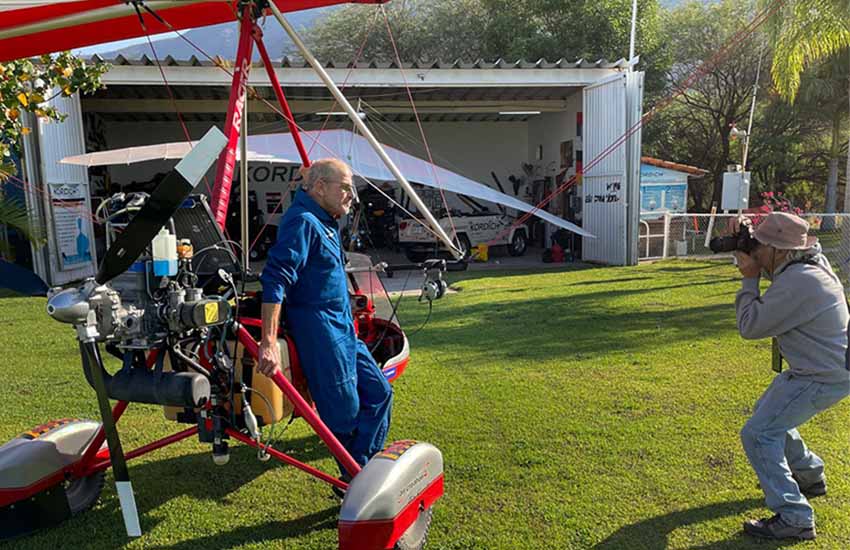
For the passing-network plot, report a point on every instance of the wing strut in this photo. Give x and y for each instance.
(364, 130)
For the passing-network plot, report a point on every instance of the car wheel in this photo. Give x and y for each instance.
(518, 245)
(415, 256)
(465, 246)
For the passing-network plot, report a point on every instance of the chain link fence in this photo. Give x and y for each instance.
(687, 235)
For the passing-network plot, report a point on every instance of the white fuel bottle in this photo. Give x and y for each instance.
(164, 254)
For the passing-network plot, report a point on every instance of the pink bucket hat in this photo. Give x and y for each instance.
(785, 232)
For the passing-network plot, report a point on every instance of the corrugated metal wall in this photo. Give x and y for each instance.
(634, 110)
(57, 140)
(604, 182)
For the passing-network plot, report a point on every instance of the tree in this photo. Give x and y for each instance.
(493, 29)
(27, 86)
(806, 32)
(825, 85)
(422, 29)
(696, 127)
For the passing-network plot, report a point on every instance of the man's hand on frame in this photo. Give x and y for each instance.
(747, 265)
(269, 358)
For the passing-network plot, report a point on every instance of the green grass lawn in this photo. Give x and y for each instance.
(594, 408)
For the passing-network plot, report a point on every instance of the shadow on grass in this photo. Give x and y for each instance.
(195, 476)
(713, 263)
(267, 532)
(653, 532)
(610, 281)
(626, 320)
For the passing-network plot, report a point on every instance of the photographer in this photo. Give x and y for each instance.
(806, 311)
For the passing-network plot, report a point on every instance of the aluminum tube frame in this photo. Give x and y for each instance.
(352, 114)
(102, 461)
(281, 98)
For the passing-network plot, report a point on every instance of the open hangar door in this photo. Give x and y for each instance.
(611, 181)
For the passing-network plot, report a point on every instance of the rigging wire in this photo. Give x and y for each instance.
(678, 90)
(419, 123)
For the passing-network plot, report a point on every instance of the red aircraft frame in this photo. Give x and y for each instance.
(97, 458)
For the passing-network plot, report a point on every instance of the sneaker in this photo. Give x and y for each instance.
(776, 528)
(340, 493)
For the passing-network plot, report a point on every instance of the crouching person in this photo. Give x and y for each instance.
(805, 309)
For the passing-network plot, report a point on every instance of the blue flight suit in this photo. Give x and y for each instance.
(306, 265)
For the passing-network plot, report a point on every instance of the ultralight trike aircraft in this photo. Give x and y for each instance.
(166, 302)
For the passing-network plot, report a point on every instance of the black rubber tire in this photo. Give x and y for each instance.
(518, 245)
(465, 246)
(416, 535)
(82, 493)
(415, 256)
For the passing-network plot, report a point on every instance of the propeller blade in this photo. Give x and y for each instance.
(161, 205)
(93, 363)
(21, 280)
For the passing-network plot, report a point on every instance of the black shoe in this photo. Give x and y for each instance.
(776, 528)
(816, 489)
(340, 493)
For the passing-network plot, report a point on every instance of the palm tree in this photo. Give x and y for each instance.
(808, 32)
(825, 88)
(15, 215)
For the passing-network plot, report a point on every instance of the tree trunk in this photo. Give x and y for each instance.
(831, 198)
(844, 253)
(720, 169)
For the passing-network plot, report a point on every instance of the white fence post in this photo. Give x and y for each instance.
(666, 245)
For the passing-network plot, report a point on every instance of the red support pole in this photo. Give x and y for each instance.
(288, 459)
(104, 462)
(281, 98)
(227, 160)
(303, 408)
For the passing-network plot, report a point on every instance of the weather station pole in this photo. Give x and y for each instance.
(364, 130)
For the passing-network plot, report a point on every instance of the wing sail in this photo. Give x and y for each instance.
(29, 29)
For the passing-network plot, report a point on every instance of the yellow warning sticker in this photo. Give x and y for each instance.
(398, 448)
(39, 431)
(211, 312)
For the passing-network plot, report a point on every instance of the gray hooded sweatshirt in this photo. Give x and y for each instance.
(805, 309)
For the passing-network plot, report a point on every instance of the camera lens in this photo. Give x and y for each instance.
(723, 244)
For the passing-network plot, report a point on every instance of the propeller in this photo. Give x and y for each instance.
(21, 280)
(160, 206)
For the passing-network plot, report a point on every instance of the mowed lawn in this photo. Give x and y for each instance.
(588, 408)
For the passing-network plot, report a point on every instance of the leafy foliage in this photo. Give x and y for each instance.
(806, 31)
(28, 86)
(695, 128)
(493, 29)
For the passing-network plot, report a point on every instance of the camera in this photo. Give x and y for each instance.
(742, 239)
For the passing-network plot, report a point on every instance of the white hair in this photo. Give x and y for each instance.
(324, 169)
